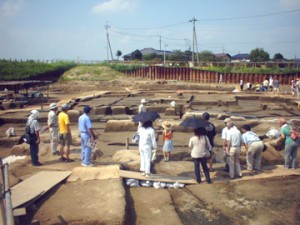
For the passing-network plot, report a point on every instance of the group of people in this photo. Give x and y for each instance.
(202, 144)
(267, 85)
(59, 127)
(295, 87)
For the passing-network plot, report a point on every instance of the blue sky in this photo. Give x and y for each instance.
(75, 29)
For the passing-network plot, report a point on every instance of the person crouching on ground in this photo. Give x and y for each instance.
(147, 143)
(233, 149)
(35, 137)
(200, 146)
(86, 133)
(168, 146)
(254, 147)
(65, 135)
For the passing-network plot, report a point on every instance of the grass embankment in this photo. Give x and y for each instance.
(15, 70)
(91, 73)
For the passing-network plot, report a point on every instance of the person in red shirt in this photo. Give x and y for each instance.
(168, 146)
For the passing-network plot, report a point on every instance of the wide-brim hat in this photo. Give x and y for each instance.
(166, 125)
(143, 100)
(227, 120)
(53, 106)
(65, 106)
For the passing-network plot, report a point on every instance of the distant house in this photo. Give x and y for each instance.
(244, 57)
(148, 51)
(223, 57)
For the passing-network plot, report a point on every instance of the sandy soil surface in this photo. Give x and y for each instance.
(268, 197)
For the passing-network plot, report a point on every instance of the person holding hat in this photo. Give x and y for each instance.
(35, 137)
(142, 107)
(53, 128)
(168, 146)
(86, 134)
(65, 133)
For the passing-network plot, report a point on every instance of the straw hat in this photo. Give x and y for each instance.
(166, 125)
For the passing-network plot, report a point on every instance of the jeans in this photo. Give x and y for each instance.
(290, 157)
(86, 151)
(203, 162)
(34, 150)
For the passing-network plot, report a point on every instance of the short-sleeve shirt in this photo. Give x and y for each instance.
(63, 121)
(52, 119)
(84, 123)
(286, 130)
(249, 137)
(234, 136)
(224, 133)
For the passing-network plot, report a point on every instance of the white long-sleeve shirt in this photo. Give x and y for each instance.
(147, 139)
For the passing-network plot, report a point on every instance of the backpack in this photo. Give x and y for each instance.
(294, 134)
(210, 132)
(27, 137)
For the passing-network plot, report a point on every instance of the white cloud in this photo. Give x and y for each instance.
(291, 4)
(114, 6)
(10, 8)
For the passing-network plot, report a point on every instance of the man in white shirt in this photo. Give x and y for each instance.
(233, 149)
(224, 135)
(53, 128)
(142, 107)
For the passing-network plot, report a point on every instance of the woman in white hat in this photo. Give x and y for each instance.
(168, 142)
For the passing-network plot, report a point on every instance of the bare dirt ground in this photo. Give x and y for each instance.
(270, 197)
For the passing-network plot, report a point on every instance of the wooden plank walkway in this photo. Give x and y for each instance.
(35, 186)
(156, 177)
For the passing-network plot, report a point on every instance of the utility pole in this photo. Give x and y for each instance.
(195, 44)
(160, 42)
(165, 54)
(108, 47)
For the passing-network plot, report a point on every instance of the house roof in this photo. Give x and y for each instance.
(222, 55)
(147, 51)
(241, 56)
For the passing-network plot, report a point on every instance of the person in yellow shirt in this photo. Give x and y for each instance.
(65, 136)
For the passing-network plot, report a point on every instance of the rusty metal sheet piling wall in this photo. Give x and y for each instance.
(204, 76)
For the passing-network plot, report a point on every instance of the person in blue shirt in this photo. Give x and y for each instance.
(86, 133)
(254, 147)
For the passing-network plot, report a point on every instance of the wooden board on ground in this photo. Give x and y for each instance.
(35, 186)
(156, 177)
(94, 173)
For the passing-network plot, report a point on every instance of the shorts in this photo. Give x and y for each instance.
(65, 139)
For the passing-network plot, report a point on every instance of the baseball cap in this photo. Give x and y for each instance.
(227, 120)
(65, 106)
(87, 109)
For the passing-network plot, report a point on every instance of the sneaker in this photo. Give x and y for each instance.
(62, 159)
(37, 164)
(56, 153)
(143, 174)
(89, 165)
(147, 175)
